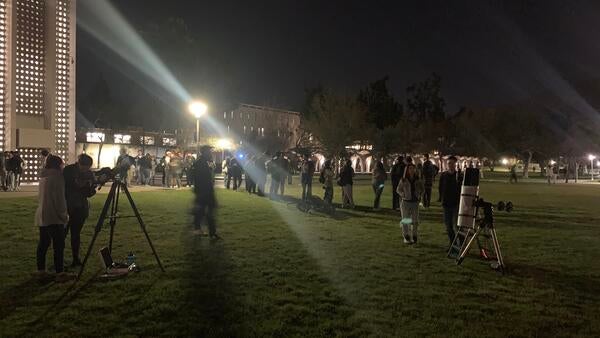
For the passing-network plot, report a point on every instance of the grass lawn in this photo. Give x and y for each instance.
(285, 273)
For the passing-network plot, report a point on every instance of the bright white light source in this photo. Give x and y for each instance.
(197, 108)
(591, 157)
(504, 161)
(224, 144)
(552, 162)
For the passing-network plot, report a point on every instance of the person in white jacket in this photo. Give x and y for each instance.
(51, 215)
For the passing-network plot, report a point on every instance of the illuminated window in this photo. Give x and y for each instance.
(94, 137)
(147, 140)
(244, 129)
(169, 141)
(62, 76)
(30, 54)
(122, 139)
(33, 164)
(232, 114)
(227, 129)
(2, 70)
(224, 115)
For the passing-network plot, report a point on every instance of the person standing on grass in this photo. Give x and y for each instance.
(328, 175)
(51, 217)
(346, 181)
(513, 174)
(307, 170)
(378, 182)
(410, 189)
(449, 190)
(204, 191)
(235, 172)
(3, 171)
(396, 173)
(78, 180)
(261, 172)
(429, 172)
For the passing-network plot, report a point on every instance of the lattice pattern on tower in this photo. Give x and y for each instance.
(63, 59)
(3, 41)
(30, 51)
(33, 164)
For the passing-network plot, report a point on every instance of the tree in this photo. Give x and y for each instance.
(335, 121)
(382, 109)
(424, 100)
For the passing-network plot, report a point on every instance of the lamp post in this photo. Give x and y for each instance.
(197, 108)
(592, 158)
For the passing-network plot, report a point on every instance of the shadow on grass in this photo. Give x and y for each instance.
(20, 294)
(209, 300)
(561, 281)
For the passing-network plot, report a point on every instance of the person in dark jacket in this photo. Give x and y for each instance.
(307, 170)
(346, 181)
(429, 171)
(205, 201)
(449, 189)
(397, 172)
(78, 188)
(235, 173)
(378, 182)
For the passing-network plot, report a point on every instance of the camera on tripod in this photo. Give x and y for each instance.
(102, 176)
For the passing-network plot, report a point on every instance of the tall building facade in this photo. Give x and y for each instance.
(37, 79)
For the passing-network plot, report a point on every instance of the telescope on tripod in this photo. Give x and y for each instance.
(110, 211)
(476, 224)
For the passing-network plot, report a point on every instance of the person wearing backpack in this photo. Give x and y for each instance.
(410, 189)
(378, 182)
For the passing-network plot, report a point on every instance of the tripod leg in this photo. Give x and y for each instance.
(112, 218)
(466, 248)
(111, 195)
(142, 225)
(497, 248)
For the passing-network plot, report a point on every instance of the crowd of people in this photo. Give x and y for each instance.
(411, 184)
(12, 166)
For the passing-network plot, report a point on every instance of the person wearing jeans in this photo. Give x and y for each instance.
(78, 188)
(410, 190)
(51, 216)
(449, 190)
(378, 182)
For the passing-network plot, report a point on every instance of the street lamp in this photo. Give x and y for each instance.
(592, 158)
(197, 108)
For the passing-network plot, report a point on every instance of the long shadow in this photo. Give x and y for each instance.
(560, 281)
(19, 295)
(210, 296)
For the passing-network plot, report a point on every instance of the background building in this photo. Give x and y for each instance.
(37, 79)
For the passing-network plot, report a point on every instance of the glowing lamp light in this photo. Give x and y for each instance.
(591, 157)
(241, 156)
(197, 108)
(552, 162)
(224, 144)
(504, 161)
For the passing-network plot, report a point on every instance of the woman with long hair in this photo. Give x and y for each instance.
(410, 190)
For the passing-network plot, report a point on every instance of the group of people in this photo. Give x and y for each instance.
(412, 186)
(11, 169)
(63, 208)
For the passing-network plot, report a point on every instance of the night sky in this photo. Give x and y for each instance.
(266, 52)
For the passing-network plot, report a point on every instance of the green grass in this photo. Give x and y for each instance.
(285, 273)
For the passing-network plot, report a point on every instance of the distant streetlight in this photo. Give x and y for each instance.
(197, 108)
(592, 158)
(504, 161)
(552, 162)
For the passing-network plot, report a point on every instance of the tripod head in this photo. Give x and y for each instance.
(488, 209)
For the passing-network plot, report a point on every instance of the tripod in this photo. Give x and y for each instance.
(112, 203)
(485, 227)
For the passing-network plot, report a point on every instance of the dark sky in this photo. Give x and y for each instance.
(487, 52)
